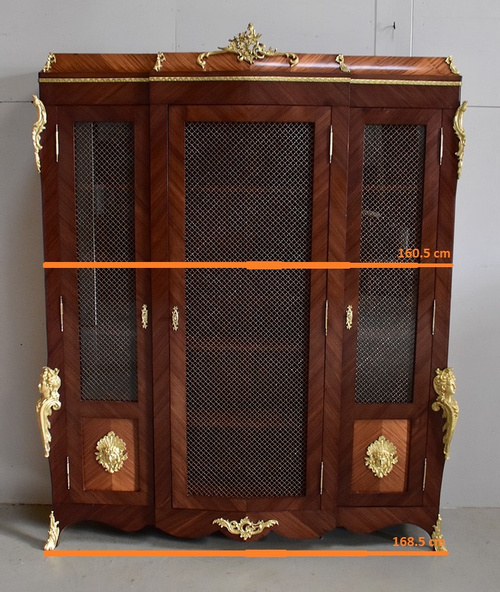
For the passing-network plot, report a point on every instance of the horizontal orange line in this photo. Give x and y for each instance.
(249, 553)
(233, 265)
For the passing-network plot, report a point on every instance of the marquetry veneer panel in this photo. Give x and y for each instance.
(95, 477)
(366, 432)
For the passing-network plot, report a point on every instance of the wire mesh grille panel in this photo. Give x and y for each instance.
(392, 195)
(104, 182)
(248, 197)
(248, 190)
(247, 377)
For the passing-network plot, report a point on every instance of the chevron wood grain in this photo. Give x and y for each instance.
(366, 432)
(95, 476)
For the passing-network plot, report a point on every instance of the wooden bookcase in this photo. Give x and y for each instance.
(231, 391)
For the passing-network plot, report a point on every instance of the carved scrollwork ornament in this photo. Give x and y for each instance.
(111, 452)
(245, 528)
(160, 58)
(38, 128)
(458, 126)
(445, 387)
(247, 48)
(53, 535)
(437, 536)
(451, 64)
(340, 61)
(48, 387)
(51, 59)
(381, 456)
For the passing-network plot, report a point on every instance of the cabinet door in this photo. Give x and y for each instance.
(247, 184)
(103, 203)
(392, 213)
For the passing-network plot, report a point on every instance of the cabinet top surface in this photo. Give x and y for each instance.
(169, 66)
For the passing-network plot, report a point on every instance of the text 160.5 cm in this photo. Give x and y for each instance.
(423, 254)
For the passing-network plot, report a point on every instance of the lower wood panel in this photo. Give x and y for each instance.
(126, 518)
(367, 432)
(95, 477)
(365, 520)
(193, 524)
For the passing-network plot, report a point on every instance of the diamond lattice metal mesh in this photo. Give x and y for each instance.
(248, 191)
(104, 182)
(248, 197)
(393, 184)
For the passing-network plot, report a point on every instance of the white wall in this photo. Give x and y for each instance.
(29, 29)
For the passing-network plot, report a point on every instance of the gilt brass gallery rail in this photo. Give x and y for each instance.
(323, 79)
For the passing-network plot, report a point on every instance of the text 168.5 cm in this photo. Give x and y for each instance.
(417, 542)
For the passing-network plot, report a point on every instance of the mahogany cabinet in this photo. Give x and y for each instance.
(248, 273)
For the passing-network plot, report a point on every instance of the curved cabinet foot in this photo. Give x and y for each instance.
(437, 539)
(53, 536)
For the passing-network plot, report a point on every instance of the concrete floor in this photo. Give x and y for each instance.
(471, 534)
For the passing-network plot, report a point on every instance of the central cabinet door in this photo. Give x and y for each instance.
(247, 345)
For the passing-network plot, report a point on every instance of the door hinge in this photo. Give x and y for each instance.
(425, 474)
(57, 142)
(61, 313)
(68, 478)
(331, 144)
(348, 317)
(175, 318)
(326, 317)
(144, 316)
(441, 144)
(433, 325)
(321, 479)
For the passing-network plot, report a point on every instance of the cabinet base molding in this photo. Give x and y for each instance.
(366, 520)
(126, 518)
(194, 524)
